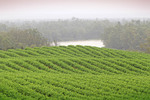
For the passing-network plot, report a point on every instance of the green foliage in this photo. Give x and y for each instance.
(146, 46)
(17, 38)
(74, 72)
(132, 35)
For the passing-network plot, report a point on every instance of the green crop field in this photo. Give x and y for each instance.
(74, 73)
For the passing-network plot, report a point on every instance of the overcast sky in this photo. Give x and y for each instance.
(57, 9)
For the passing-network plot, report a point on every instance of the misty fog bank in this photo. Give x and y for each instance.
(125, 34)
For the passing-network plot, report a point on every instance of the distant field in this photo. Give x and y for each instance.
(74, 72)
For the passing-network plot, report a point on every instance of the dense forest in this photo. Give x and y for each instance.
(17, 38)
(133, 35)
(117, 34)
(63, 30)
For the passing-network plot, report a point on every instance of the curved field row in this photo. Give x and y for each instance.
(71, 51)
(75, 86)
(77, 65)
(73, 73)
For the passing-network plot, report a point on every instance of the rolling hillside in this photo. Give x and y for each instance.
(74, 72)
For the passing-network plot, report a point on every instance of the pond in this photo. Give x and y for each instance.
(96, 43)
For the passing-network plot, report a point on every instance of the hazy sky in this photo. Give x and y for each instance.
(54, 9)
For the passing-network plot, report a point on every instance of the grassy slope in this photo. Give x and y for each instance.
(74, 72)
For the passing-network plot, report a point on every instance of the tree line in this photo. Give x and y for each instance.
(17, 38)
(131, 35)
(118, 34)
(65, 30)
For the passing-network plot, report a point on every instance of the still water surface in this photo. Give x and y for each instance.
(96, 43)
